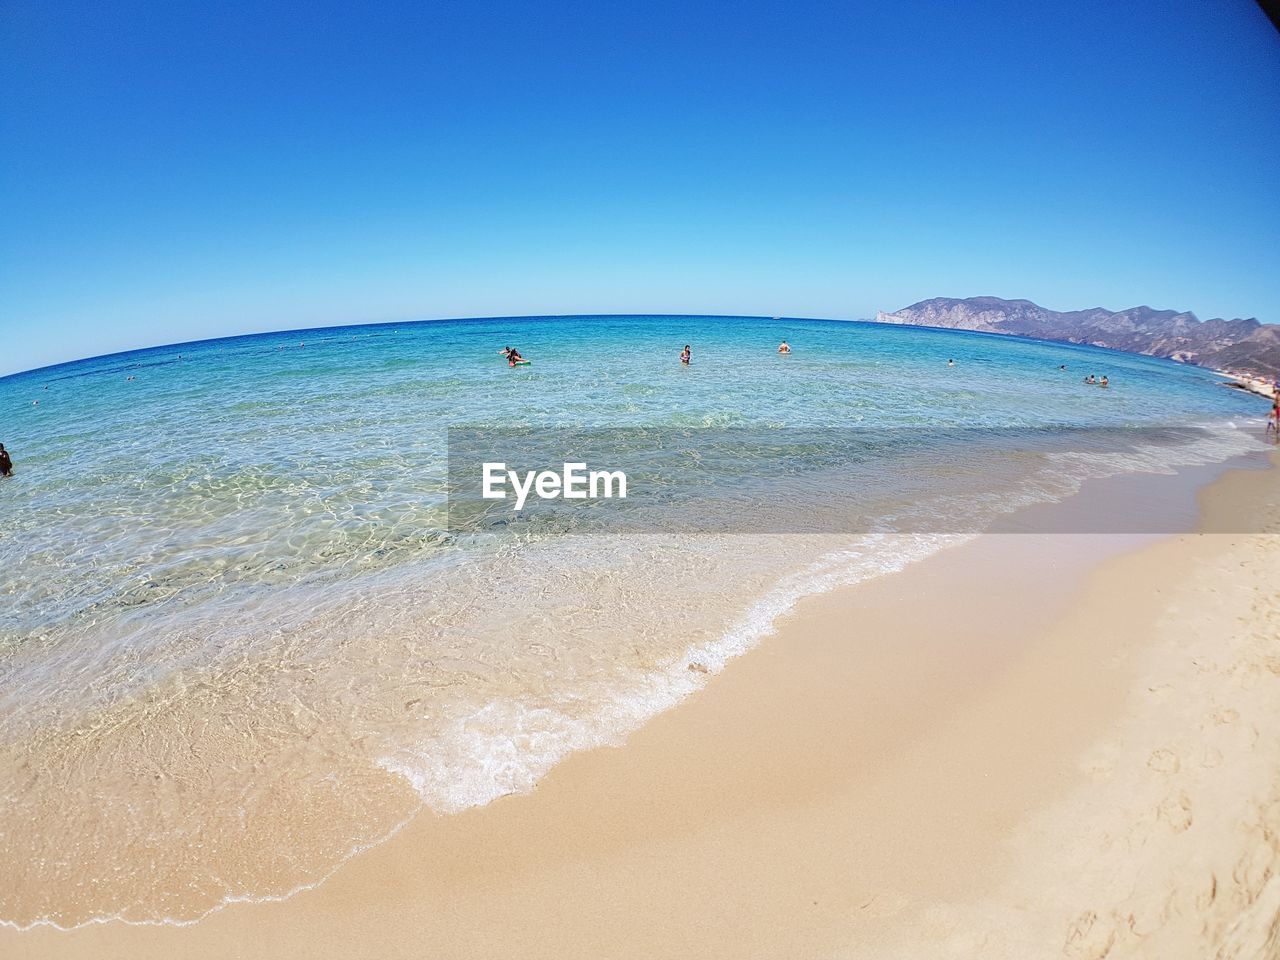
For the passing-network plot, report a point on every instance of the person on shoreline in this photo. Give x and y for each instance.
(1273, 421)
(685, 355)
(6, 462)
(784, 347)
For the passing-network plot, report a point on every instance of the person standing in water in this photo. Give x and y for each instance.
(6, 462)
(685, 355)
(784, 347)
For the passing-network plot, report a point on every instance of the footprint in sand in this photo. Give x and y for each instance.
(1164, 761)
(1210, 757)
(1089, 939)
(1205, 898)
(1253, 870)
(1225, 716)
(1175, 812)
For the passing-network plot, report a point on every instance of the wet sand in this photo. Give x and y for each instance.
(1008, 750)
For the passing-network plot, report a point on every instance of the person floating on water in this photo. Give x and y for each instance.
(685, 355)
(784, 347)
(512, 355)
(1062, 366)
(6, 462)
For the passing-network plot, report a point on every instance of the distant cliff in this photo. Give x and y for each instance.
(1238, 346)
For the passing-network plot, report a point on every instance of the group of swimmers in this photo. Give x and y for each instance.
(1091, 379)
(686, 354)
(514, 358)
(784, 347)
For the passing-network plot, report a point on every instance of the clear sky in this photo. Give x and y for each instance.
(178, 170)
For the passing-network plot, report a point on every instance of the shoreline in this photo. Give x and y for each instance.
(1249, 383)
(760, 769)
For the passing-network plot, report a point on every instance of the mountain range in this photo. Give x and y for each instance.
(1244, 347)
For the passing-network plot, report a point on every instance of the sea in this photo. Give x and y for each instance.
(243, 636)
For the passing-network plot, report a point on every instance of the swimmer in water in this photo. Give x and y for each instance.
(512, 355)
(6, 462)
(1104, 381)
(784, 347)
(1091, 379)
(685, 355)
(951, 363)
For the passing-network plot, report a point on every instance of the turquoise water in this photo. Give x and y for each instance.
(233, 603)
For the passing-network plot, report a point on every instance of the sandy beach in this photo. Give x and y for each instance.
(1262, 386)
(1011, 749)
(674, 481)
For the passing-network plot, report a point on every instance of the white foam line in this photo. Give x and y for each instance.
(499, 762)
(507, 746)
(505, 767)
(505, 770)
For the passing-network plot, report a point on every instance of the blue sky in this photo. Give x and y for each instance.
(172, 171)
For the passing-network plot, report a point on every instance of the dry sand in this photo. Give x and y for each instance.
(1005, 751)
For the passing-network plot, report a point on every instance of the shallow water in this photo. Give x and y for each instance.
(240, 640)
